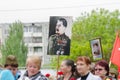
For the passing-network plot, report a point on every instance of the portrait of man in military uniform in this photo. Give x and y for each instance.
(59, 43)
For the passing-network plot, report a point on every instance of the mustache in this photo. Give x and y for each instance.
(57, 29)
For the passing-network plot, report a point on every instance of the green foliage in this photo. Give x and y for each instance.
(14, 44)
(100, 23)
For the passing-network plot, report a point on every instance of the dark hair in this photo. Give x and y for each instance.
(11, 60)
(12, 65)
(85, 59)
(69, 62)
(95, 44)
(104, 64)
(64, 21)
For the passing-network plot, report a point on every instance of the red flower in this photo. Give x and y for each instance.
(47, 75)
(72, 79)
(60, 73)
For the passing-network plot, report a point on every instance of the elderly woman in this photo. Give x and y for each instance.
(83, 64)
(102, 69)
(33, 64)
(68, 69)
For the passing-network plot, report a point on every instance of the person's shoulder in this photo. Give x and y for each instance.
(23, 75)
(94, 77)
(6, 71)
(6, 75)
(54, 35)
(97, 77)
(18, 74)
(65, 36)
(42, 77)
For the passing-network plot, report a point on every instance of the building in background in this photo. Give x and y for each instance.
(35, 37)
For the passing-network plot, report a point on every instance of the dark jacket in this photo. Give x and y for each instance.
(59, 44)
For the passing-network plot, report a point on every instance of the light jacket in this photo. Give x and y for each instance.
(91, 77)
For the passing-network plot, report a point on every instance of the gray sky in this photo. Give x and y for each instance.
(41, 10)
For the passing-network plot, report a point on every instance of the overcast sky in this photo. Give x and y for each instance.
(41, 10)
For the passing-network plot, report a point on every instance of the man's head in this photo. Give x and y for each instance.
(61, 26)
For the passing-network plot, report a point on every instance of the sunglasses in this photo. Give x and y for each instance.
(98, 69)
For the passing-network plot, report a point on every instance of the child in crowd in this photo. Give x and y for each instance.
(11, 69)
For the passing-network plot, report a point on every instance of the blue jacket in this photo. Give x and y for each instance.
(17, 75)
(6, 75)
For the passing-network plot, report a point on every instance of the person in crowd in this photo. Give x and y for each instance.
(11, 64)
(83, 64)
(68, 69)
(59, 43)
(113, 73)
(102, 69)
(33, 65)
(5, 74)
(92, 66)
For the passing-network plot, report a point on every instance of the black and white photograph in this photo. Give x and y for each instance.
(96, 48)
(59, 35)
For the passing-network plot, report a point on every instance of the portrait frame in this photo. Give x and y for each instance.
(96, 48)
(59, 37)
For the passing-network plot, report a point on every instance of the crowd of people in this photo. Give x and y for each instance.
(83, 70)
(80, 69)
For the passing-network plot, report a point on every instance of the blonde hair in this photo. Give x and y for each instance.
(35, 59)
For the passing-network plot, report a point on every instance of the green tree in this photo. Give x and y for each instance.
(100, 23)
(14, 44)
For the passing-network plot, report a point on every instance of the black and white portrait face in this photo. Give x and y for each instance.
(96, 49)
(60, 28)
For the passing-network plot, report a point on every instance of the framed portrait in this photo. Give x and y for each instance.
(59, 35)
(96, 48)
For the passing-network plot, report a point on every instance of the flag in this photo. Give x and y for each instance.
(115, 56)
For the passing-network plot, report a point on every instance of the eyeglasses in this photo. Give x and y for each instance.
(99, 69)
